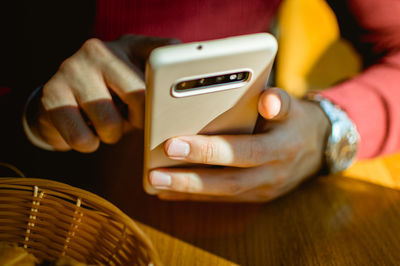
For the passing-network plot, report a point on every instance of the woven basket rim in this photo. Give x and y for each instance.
(86, 197)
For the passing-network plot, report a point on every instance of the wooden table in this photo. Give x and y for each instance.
(327, 221)
(330, 221)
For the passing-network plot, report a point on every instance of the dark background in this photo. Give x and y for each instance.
(36, 36)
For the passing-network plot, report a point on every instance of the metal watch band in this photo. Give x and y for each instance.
(341, 147)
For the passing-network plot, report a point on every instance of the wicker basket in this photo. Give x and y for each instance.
(51, 220)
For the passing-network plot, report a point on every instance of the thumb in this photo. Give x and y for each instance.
(274, 104)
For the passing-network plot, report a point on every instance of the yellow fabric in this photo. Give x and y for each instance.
(311, 53)
(384, 171)
(313, 56)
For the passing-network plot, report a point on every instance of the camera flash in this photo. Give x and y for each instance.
(201, 81)
(233, 77)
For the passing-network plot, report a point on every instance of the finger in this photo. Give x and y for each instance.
(100, 108)
(206, 181)
(129, 86)
(106, 120)
(227, 150)
(50, 134)
(273, 187)
(125, 78)
(136, 103)
(274, 104)
(72, 127)
(82, 75)
(62, 107)
(94, 98)
(57, 93)
(97, 69)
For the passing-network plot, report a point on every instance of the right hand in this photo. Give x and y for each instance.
(85, 82)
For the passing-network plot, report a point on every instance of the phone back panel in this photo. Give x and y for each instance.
(231, 111)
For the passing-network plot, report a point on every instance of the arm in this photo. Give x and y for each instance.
(372, 99)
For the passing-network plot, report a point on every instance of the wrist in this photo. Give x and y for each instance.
(321, 120)
(342, 142)
(322, 127)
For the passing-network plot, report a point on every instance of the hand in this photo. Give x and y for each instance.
(82, 90)
(287, 149)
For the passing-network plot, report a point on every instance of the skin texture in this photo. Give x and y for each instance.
(286, 148)
(84, 84)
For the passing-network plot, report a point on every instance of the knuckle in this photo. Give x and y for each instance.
(256, 151)
(112, 65)
(183, 183)
(48, 88)
(208, 152)
(51, 93)
(95, 49)
(293, 149)
(70, 67)
(93, 45)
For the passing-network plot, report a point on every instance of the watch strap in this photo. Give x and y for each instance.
(342, 143)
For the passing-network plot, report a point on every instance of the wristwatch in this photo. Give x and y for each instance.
(342, 144)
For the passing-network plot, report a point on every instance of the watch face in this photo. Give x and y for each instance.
(347, 152)
(342, 145)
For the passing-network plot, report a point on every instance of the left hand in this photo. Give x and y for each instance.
(287, 149)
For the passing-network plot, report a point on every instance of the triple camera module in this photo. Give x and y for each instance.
(212, 81)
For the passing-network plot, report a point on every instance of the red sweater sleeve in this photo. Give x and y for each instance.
(372, 99)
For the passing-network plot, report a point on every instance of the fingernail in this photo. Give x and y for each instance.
(160, 179)
(273, 105)
(178, 149)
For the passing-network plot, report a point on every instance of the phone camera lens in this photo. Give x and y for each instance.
(220, 78)
(182, 85)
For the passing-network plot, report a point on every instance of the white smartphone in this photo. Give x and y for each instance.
(209, 87)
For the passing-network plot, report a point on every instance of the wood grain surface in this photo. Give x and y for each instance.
(326, 221)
